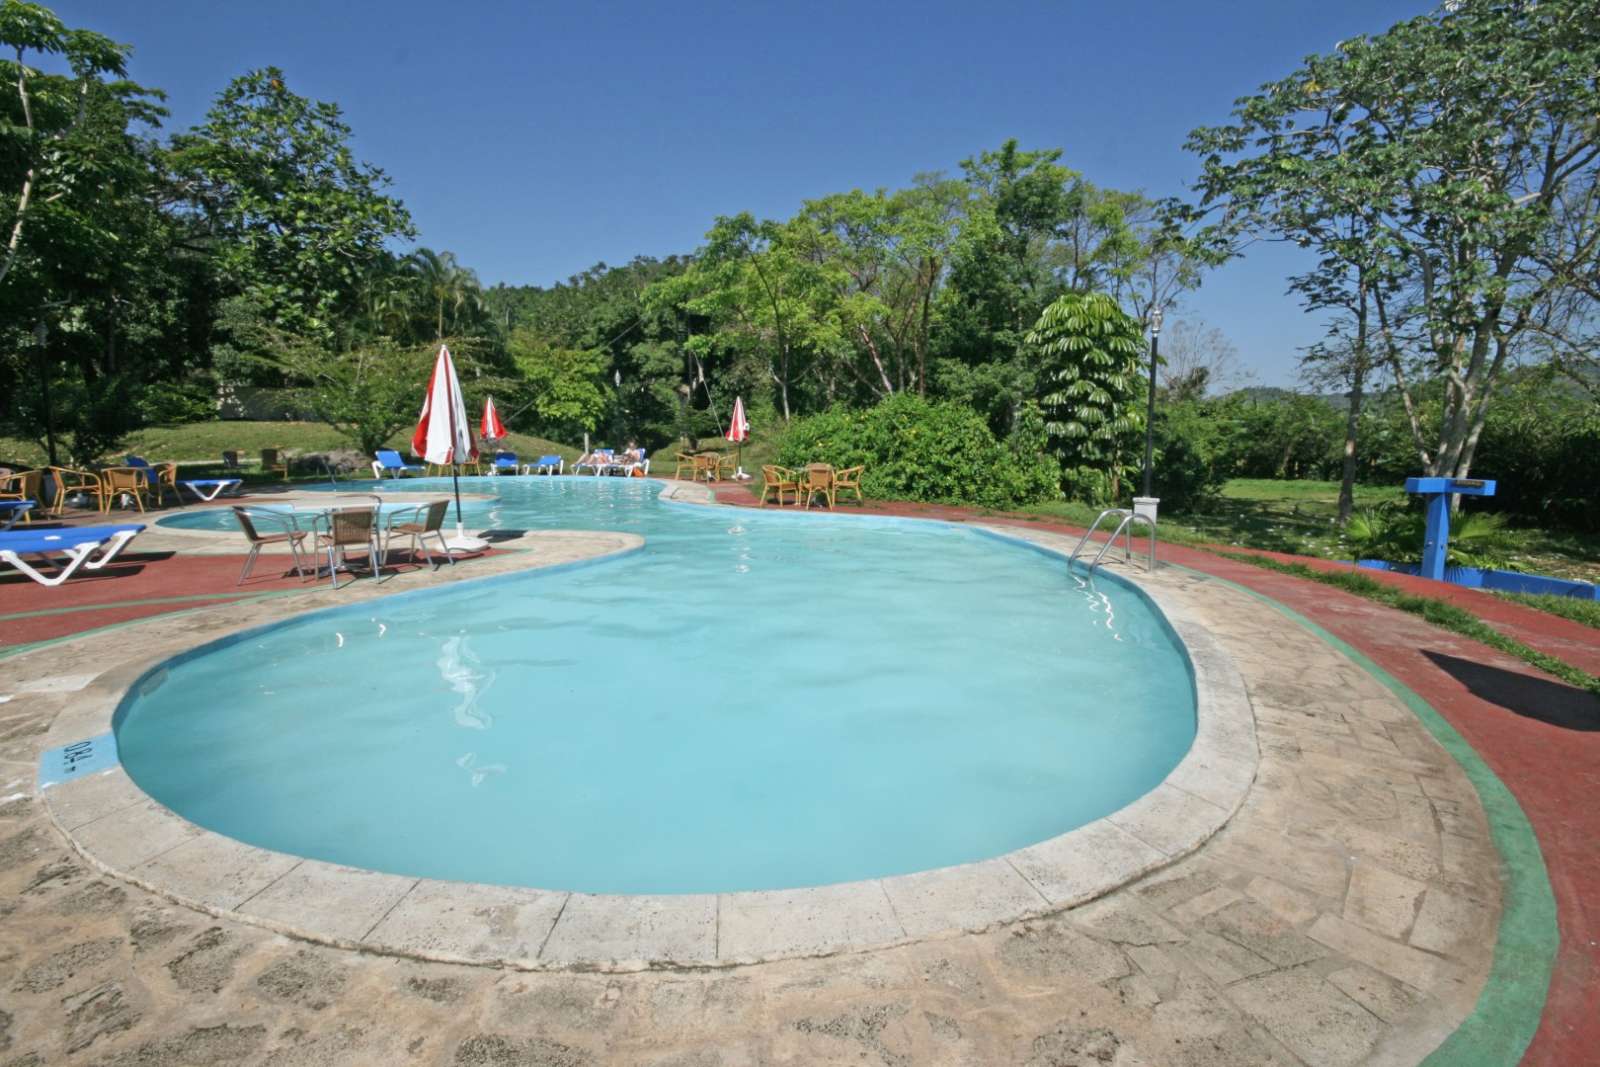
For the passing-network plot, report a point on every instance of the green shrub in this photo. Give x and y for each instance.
(1394, 533)
(917, 450)
(1189, 462)
(173, 402)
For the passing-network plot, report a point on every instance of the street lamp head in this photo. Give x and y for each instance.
(1155, 321)
(617, 377)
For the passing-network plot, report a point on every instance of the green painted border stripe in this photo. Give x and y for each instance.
(1508, 1011)
(121, 604)
(32, 646)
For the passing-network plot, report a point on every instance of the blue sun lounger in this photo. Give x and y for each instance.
(85, 547)
(389, 460)
(12, 510)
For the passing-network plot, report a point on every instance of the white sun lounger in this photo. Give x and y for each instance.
(85, 548)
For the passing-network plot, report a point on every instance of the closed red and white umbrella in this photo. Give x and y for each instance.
(738, 432)
(444, 436)
(490, 425)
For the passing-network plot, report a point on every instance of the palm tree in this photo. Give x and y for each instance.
(387, 298)
(445, 283)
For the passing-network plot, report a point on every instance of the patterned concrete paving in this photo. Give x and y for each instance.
(1345, 915)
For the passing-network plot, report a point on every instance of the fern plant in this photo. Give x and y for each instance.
(1089, 351)
(1477, 539)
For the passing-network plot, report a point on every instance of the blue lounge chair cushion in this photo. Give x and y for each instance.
(391, 461)
(25, 541)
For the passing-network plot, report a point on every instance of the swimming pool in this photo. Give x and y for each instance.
(755, 700)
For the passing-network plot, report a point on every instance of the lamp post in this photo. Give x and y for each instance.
(1150, 502)
(621, 415)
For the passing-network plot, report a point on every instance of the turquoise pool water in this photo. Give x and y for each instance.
(755, 700)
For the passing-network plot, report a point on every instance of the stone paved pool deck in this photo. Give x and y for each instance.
(1346, 914)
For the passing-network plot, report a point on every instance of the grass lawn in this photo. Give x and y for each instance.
(1568, 607)
(1298, 517)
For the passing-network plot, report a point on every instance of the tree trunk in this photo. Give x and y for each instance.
(14, 245)
(1352, 422)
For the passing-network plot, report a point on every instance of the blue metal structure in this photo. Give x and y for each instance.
(1438, 491)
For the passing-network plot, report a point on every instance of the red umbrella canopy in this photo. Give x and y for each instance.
(738, 426)
(490, 426)
(443, 435)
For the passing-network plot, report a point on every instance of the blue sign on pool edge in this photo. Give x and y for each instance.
(77, 760)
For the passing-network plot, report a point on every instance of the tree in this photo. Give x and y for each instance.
(878, 259)
(1093, 394)
(1197, 360)
(1461, 149)
(100, 312)
(760, 293)
(277, 196)
(560, 386)
(444, 284)
(52, 108)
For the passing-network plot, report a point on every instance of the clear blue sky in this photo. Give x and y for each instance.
(536, 139)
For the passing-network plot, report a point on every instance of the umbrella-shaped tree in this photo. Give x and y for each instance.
(1089, 350)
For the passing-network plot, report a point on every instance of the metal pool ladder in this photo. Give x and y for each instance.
(1127, 518)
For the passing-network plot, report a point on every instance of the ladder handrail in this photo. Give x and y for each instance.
(1127, 546)
(1093, 526)
(1128, 517)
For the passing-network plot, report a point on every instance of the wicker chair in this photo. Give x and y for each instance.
(119, 482)
(423, 522)
(817, 480)
(70, 481)
(289, 534)
(708, 465)
(341, 529)
(686, 462)
(848, 480)
(23, 485)
(273, 460)
(167, 478)
(778, 481)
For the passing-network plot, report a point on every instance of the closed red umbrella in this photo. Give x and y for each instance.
(444, 436)
(490, 425)
(738, 431)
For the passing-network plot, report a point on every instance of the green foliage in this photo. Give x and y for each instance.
(301, 220)
(1440, 613)
(1089, 355)
(164, 403)
(1446, 173)
(914, 449)
(368, 394)
(1395, 534)
(1190, 450)
(560, 387)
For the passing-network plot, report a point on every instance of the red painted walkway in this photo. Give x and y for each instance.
(1540, 736)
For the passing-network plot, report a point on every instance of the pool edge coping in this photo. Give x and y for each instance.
(449, 922)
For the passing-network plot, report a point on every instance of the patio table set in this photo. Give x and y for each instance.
(135, 483)
(707, 466)
(337, 531)
(813, 480)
